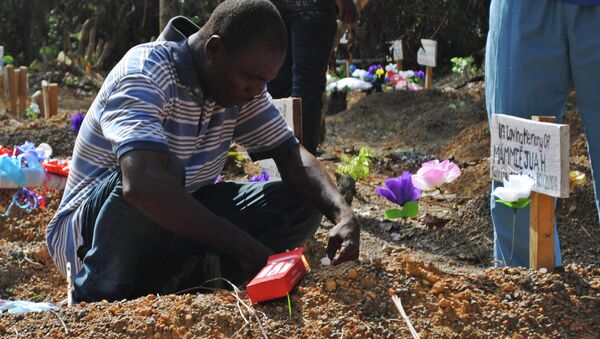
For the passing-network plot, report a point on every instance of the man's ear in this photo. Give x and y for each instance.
(214, 48)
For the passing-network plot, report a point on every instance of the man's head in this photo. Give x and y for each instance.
(243, 45)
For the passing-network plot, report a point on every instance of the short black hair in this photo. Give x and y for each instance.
(241, 22)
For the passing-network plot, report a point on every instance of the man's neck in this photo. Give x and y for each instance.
(200, 61)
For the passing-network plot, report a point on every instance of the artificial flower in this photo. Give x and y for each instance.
(399, 190)
(434, 174)
(402, 192)
(264, 176)
(414, 87)
(515, 189)
(76, 121)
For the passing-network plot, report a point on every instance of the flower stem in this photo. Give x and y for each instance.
(512, 246)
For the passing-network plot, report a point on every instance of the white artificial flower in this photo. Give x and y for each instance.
(515, 188)
(360, 73)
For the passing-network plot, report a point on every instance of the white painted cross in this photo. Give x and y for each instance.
(538, 148)
(396, 48)
(427, 55)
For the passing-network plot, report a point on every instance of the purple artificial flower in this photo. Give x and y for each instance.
(41, 152)
(420, 74)
(373, 69)
(218, 179)
(399, 190)
(264, 176)
(76, 121)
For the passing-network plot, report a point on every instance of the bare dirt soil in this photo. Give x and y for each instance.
(438, 264)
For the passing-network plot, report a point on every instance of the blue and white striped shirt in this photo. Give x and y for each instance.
(152, 100)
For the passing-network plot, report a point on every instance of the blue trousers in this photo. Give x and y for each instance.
(302, 75)
(126, 255)
(535, 50)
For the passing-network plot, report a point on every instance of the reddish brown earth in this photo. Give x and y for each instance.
(440, 270)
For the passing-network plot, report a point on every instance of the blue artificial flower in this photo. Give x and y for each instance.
(399, 190)
(352, 68)
(76, 121)
(264, 176)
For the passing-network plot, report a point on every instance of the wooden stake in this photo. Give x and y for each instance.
(53, 102)
(2, 85)
(399, 65)
(428, 77)
(541, 229)
(23, 90)
(45, 100)
(12, 89)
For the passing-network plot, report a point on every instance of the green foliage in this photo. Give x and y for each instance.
(8, 59)
(523, 202)
(464, 65)
(32, 114)
(409, 210)
(356, 167)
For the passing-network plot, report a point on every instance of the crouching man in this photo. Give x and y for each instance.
(140, 213)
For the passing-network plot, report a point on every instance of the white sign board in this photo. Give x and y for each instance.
(286, 108)
(427, 55)
(397, 50)
(537, 149)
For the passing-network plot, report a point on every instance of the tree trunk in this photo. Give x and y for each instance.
(167, 10)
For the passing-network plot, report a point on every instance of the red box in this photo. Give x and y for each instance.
(282, 272)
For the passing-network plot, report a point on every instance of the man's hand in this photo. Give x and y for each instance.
(347, 11)
(253, 262)
(344, 240)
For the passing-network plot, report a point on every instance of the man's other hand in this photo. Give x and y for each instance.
(344, 240)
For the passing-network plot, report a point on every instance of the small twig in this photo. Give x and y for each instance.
(62, 322)
(16, 331)
(586, 232)
(589, 297)
(69, 286)
(398, 304)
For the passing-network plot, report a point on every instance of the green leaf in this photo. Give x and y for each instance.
(507, 203)
(393, 213)
(523, 202)
(410, 209)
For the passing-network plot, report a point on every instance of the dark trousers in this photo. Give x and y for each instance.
(310, 36)
(126, 255)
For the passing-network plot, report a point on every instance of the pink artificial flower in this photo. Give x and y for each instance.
(400, 85)
(414, 87)
(434, 173)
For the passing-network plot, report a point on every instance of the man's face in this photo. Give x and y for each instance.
(237, 77)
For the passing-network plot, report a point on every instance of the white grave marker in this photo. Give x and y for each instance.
(286, 107)
(397, 53)
(537, 149)
(427, 55)
(1, 58)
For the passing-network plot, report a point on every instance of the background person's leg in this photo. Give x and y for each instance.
(526, 73)
(281, 86)
(584, 46)
(312, 35)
